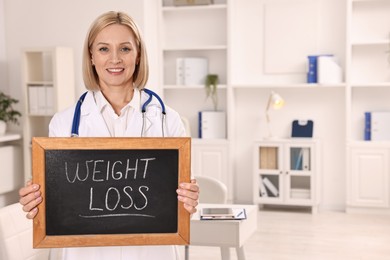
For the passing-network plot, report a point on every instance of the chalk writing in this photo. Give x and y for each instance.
(104, 170)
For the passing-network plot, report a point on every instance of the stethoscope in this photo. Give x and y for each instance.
(77, 112)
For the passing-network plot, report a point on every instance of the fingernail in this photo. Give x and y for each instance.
(182, 185)
(37, 194)
(35, 187)
(33, 211)
(39, 199)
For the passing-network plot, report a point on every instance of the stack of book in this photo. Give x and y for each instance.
(323, 69)
(40, 99)
(300, 193)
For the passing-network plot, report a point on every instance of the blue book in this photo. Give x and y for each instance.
(367, 126)
(200, 124)
(312, 69)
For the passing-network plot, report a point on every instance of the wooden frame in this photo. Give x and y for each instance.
(41, 144)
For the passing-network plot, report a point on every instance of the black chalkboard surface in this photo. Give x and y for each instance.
(110, 191)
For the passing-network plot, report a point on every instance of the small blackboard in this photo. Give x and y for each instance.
(110, 191)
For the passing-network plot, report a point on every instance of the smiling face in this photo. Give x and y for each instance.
(115, 56)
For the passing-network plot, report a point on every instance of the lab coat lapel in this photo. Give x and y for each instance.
(92, 123)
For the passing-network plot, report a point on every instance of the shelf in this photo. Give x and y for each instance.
(369, 1)
(288, 85)
(209, 141)
(361, 43)
(7, 137)
(369, 144)
(194, 8)
(41, 115)
(371, 85)
(40, 83)
(191, 87)
(196, 48)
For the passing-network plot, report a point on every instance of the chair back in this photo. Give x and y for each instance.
(16, 236)
(211, 190)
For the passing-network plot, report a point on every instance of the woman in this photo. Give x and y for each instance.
(115, 70)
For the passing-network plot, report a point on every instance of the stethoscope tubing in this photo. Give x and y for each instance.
(77, 112)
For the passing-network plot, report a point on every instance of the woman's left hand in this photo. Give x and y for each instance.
(188, 193)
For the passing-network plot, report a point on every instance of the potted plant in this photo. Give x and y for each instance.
(7, 112)
(212, 124)
(211, 89)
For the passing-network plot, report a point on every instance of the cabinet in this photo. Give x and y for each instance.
(48, 87)
(211, 159)
(368, 90)
(286, 172)
(11, 170)
(369, 185)
(183, 34)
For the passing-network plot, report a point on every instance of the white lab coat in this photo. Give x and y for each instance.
(92, 125)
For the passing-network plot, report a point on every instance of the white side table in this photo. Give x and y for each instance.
(224, 233)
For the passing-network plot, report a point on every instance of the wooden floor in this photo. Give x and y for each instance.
(291, 235)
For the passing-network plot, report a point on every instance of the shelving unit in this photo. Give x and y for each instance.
(206, 38)
(48, 86)
(368, 90)
(287, 172)
(183, 34)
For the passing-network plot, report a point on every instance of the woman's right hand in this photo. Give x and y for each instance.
(30, 197)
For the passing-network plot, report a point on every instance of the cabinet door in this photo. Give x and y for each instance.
(211, 160)
(369, 177)
(269, 171)
(299, 174)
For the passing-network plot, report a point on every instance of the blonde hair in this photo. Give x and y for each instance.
(141, 73)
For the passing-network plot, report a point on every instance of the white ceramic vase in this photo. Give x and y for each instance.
(3, 127)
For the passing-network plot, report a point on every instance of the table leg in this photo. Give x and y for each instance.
(225, 253)
(240, 253)
(186, 252)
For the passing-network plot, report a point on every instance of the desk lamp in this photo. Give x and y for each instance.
(275, 101)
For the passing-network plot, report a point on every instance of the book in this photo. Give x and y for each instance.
(300, 159)
(212, 124)
(33, 99)
(305, 159)
(262, 189)
(222, 214)
(328, 71)
(269, 185)
(300, 193)
(367, 126)
(191, 71)
(380, 126)
(49, 100)
(312, 69)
